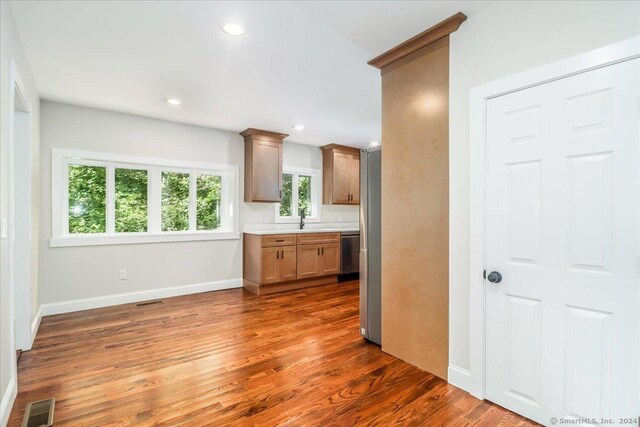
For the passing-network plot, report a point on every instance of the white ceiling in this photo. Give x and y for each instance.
(299, 62)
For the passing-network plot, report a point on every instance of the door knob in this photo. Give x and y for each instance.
(494, 277)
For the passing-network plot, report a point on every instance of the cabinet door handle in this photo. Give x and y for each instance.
(277, 254)
(280, 240)
(282, 255)
(323, 250)
(318, 250)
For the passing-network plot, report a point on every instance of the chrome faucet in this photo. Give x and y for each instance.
(302, 216)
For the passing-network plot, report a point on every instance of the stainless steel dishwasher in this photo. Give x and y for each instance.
(349, 252)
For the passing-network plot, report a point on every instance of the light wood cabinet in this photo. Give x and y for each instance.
(262, 165)
(318, 260)
(269, 265)
(278, 262)
(340, 175)
(287, 264)
(308, 257)
(329, 259)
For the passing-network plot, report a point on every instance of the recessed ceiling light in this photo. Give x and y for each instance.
(374, 143)
(233, 28)
(173, 101)
(298, 127)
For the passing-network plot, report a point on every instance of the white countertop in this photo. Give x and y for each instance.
(307, 229)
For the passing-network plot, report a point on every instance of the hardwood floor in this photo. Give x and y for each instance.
(231, 358)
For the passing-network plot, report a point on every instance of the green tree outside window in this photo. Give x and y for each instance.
(87, 199)
(287, 186)
(208, 196)
(304, 195)
(131, 201)
(175, 201)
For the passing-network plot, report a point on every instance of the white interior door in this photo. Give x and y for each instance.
(562, 228)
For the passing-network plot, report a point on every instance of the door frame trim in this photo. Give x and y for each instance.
(478, 97)
(24, 338)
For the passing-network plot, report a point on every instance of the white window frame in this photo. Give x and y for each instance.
(316, 194)
(62, 158)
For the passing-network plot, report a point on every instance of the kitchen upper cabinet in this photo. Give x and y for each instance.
(262, 165)
(340, 175)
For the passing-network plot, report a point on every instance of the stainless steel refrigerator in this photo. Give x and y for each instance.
(370, 258)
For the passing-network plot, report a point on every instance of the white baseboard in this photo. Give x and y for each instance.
(460, 377)
(36, 324)
(131, 297)
(7, 402)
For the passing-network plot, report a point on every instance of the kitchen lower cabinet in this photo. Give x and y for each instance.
(279, 262)
(308, 256)
(329, 259)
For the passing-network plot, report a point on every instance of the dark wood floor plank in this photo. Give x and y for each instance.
(231, 358)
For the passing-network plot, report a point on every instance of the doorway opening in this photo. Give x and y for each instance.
(19, 230)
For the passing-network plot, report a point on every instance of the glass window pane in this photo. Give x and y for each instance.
(87, 199)
(131, 200)
(285, 205)
(304, 194)
(175, 201)
(208, 190)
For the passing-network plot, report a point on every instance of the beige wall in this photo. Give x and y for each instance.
(415, 208)
(92, 271)
(503, 39)
(11, 48)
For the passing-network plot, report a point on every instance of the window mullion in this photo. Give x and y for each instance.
(111, 199)
(65, 195)
(315, 196)
(154, 188)
(294, 196)
(192, 201)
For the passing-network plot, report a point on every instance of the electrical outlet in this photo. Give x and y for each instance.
(363, 331)
(3, 232)
(123, 274)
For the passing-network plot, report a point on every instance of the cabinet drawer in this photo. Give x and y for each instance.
(313, 238)
(278, 240)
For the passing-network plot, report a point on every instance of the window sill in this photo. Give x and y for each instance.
(132, 239)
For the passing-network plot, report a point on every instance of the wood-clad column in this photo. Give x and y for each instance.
(415, 204)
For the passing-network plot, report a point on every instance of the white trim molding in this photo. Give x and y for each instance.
(609, 55)
(62, 158)
(7, 401)
(35, 325)
(132, 297)
(459, 377)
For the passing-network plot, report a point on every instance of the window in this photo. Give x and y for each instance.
(208, 189)
(132, 206)
(108, 199)
(301, 189)
(175, 201)
(87, 199)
